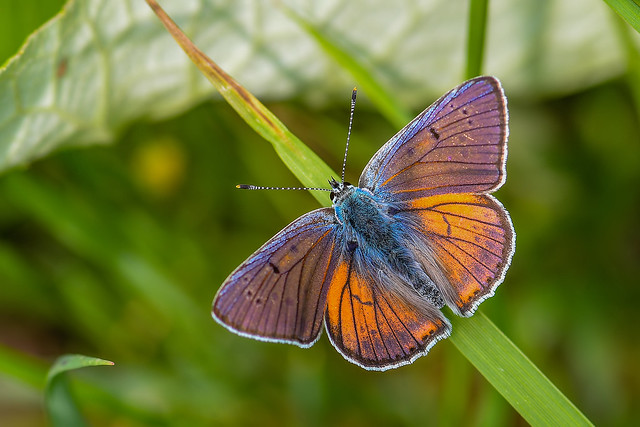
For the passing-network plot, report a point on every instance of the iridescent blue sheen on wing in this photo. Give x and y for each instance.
(457, 145)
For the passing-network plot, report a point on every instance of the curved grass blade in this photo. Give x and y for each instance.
(21, 367)
(60, 404)
(510, 372)
(304, 163)
(633, 58)
(386, 104)
(25, 369)
(628, 10)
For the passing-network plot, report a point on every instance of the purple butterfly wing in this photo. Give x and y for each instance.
(439, 171)
(457, 145)
(279, 293)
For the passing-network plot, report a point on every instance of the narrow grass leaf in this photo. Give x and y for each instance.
(21, 367)
(476, 37)
(381, 98)
(28, 370)
(304, 163)
(521, 383)
(510, 372)
(69, 362)
(633, 58)
(629, 10)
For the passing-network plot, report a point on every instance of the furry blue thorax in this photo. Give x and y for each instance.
(374, 235)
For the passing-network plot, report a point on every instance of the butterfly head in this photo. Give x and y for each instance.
(337, 189)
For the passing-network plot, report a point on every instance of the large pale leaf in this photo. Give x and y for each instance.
(102, 63)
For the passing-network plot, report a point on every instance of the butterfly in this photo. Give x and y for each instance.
(419, 231)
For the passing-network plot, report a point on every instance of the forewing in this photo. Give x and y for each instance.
(457, 145)
(375, 328)
(279, 293)
(470, 238)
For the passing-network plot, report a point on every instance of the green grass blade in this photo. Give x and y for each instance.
(381, 98)
(633, 59)
(33, 372)
(59, 400)
(508, 370)
(21, 367)
(69, 362)
(628, 10)
(304, 163)
(521, 383)
(476, 37)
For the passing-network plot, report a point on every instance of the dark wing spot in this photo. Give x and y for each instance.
(470, 121)
(435, 134)
(464, 111)
(411, 152)
(274, 267)
(352, 245)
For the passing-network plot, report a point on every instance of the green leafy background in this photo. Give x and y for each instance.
(117, 250)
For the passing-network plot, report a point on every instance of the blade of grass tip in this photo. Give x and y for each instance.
(69, 362)
(628, 10)
(31, 371)
(476, 37)
(510, 372)
(60, 404)
(302, 161)
(386, 104)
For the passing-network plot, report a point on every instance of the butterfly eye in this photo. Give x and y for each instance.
(348, 183)
(332, 196)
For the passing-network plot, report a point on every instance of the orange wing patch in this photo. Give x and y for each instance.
(473, 240)
(374, 328)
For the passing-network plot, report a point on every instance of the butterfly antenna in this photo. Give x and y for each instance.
(258, 187)
(346, 150)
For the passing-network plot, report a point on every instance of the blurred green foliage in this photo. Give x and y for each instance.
(116, 252)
